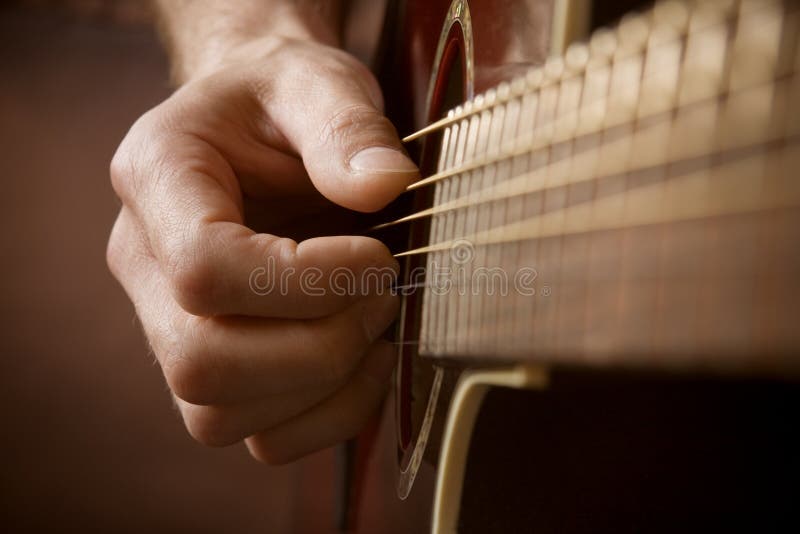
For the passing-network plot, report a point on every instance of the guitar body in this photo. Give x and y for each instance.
(511, 443)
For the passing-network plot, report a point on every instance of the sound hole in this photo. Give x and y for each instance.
(415, 376)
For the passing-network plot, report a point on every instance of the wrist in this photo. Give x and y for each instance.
(207, 47)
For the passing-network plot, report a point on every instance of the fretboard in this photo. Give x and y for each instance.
(636, 202)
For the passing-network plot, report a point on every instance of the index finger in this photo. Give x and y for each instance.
(187, 199)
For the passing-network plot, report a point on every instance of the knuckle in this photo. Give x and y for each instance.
(189, 368)
(351, 122)
(114, 252)
(192, 281)
(132, 154)
(120, 170)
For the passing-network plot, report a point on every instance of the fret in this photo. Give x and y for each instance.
(665, 81)
(492, 307)
(632, 305)
(540, 163)
(602, 257)
(569, 264)
(483, 126)
(585, 167)
(479, 306)
(431, 302)
(449, 191)
(626, 74)
(662, 67)
(460, 296)
(756, 45)
(511, 207)
(531, 205)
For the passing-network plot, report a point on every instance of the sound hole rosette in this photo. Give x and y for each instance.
(451, 83)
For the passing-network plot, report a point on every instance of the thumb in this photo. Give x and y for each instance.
(351, 151)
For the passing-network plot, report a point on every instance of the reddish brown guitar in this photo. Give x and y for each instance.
(601, 269)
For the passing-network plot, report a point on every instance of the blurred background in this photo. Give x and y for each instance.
(90, 441)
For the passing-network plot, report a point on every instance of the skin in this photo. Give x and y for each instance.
(252, 158)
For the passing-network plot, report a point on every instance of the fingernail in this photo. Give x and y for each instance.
(379, 312)
(382, 159)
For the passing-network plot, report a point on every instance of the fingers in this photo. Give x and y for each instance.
(224, 360)
(256, 334)
(216, 360)
(336, 419)
(350, 149)
(197, 369)
(221, 425)
(184, 194)
(225, 424)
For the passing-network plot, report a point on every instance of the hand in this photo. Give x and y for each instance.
(283, 137)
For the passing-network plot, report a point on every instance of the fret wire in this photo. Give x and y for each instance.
(528, 111)
(491, 177)
(429, 303)
(667, 234)
(488, 177)
(488, 123)
(594, 113)
(535, 104)
(771, 166)
(444, 222)
(495, 257)
(547, 318)
(702, 329)
(457, 186)
(470, 223)
(625, 248)
(580, 93)
(643, 216)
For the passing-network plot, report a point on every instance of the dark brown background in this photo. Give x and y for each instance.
(89, 439)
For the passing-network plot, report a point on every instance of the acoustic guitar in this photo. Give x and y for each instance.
(600, 328)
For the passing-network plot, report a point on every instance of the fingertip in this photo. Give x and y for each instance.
(378, 175)
(349, 252)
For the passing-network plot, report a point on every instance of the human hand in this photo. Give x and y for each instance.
(282, 137)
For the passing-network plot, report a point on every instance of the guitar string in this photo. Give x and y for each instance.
(602, 40)
(501, 238)
(507, 153)
(521, 184)
(679, 24)
(675, 18)
(647, 214)
(524, 144)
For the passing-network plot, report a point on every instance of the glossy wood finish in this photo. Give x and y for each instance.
(509, 37)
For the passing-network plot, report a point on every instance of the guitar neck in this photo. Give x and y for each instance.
(634, 202)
